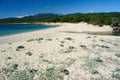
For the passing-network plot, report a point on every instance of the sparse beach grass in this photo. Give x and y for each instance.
(30, 40)
(67, 56)
(118, 54)
(29, 53)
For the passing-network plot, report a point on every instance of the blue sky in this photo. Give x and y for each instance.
(12, 8)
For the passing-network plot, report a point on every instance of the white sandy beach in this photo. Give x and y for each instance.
(78, 49)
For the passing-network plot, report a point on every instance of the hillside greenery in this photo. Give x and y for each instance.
(92, 18)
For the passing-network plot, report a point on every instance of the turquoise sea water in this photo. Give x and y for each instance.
(8, 29)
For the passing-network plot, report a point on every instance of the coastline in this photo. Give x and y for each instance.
(24, 31)
(72, 47)
(61, 27)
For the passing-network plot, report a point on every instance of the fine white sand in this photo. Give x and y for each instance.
(73, 47)
(62, 28)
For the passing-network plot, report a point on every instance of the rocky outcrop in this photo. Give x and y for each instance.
(116, 27)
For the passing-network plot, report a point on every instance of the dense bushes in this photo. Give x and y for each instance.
(92, 18)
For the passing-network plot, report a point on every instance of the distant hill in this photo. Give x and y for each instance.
(93, 18)
(30, 19)
(43, 16)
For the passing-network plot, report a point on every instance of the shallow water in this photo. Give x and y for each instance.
(8, 29)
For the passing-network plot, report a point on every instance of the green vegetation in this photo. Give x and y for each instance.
(93, 79)
(11, 72)
(94, 71)
(30, 40)
(103, 46)
(64, 71)
(10, 43)
(62, 41)
(10, 69)
(89, 64)
(118, 55)
(97, 59)
(47, 61)
(68, 38)
(61, 45)
(116, 73)
(71, 47)
(69, 61)
(92, 18)
(88, 37)
(9, 57)
(50, 74)
(26, 63)
(3, 51)
(83, 46)
(117, 69)
(29, 53)
(39, 39)
(68, 51)
(20, 47)
(41, 55)
(49, 39)
(22, 75)
(15, 66)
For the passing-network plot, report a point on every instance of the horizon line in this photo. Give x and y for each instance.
(21, 16)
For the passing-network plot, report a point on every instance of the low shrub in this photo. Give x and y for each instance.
(94, 71)
(49, 39)
(118, 55)
(29, 53)
(30, 40)
(22, 75)
(50, 74)
(62, 41)
(83, 46)
(103, 46)
(69, 61)
(61, 45)
(39, 39)
(9, 57)
(64, 71)
(116, 73)
(68, 38)
(15, 66)
(97, 59)
(117, 69)
(68, 51)
(21, 47)
(71, 47)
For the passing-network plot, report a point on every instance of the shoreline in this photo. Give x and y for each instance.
(67, 28)
(66, 24)
(12, 34)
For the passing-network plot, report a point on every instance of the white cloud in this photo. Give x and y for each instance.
(22, 16)
(91, 11)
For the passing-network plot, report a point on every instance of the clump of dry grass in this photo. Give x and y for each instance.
(29, 53)
(51, 74)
